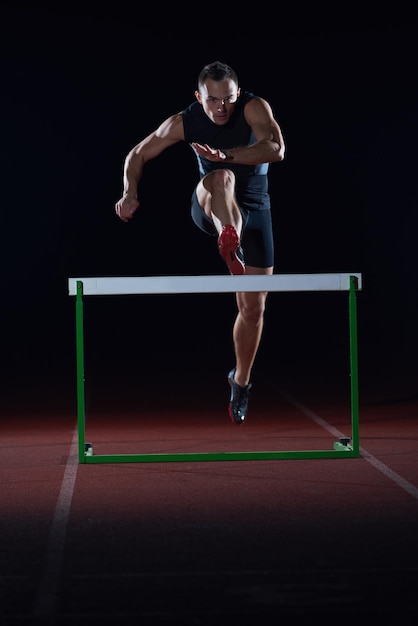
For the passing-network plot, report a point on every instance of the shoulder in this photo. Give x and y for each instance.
(257, 108)
(256, 103)
(172, 128)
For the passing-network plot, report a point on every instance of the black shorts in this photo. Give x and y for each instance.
(257, 233)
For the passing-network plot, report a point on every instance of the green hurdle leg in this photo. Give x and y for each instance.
(354, 366)
(81, 410)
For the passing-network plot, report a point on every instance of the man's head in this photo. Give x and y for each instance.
(218, 91)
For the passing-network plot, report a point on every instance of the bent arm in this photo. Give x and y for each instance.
(168, 133)
(269, 146)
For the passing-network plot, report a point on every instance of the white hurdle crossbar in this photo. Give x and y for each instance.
(142, 285)
(211, 284)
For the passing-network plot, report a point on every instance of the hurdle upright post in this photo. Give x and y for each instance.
(354, 365)
(81, 409)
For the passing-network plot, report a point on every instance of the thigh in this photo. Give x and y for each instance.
(200, 218)
(257, 239)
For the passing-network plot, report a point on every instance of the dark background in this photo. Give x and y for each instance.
(81, 86)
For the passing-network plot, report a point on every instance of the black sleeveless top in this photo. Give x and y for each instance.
(251, 180)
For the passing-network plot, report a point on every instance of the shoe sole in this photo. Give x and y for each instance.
(228, 244)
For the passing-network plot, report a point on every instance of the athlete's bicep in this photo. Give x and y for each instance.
(259, 116)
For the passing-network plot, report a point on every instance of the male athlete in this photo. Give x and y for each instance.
(235, 137)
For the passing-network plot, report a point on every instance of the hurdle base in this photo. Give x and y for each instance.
(340, 451)
(343, 444)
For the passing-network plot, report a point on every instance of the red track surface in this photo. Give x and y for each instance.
(207, 542)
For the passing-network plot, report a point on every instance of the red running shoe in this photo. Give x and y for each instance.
(230, 250)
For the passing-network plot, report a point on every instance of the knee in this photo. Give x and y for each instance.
(252, 309)
(222, 180)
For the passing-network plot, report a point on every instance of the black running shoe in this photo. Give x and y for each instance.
(238, 403)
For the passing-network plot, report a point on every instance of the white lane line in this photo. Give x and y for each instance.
(48, 586)
(381, 467)
(401, 482)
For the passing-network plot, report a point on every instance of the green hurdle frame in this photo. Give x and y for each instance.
(345, 447)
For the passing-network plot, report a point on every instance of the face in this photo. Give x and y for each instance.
(218, 99)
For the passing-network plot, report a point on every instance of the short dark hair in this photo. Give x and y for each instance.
(216, 71)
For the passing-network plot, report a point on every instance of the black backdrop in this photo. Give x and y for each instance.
(80, 88)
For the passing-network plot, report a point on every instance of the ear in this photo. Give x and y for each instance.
(198, 96)
(238, 92)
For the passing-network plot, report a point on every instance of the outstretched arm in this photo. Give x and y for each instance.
(168, 133)
(269, 146)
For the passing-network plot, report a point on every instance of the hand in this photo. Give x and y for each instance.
(126, 207)
(212, 154)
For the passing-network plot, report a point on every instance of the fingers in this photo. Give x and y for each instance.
(125, 214)
(213, 154)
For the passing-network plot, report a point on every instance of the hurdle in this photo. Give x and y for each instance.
(346, 447)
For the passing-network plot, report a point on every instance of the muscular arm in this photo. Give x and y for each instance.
(269, 146)
(168, 133)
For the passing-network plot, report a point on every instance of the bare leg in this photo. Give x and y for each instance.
(248, 328)
(215, 193)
